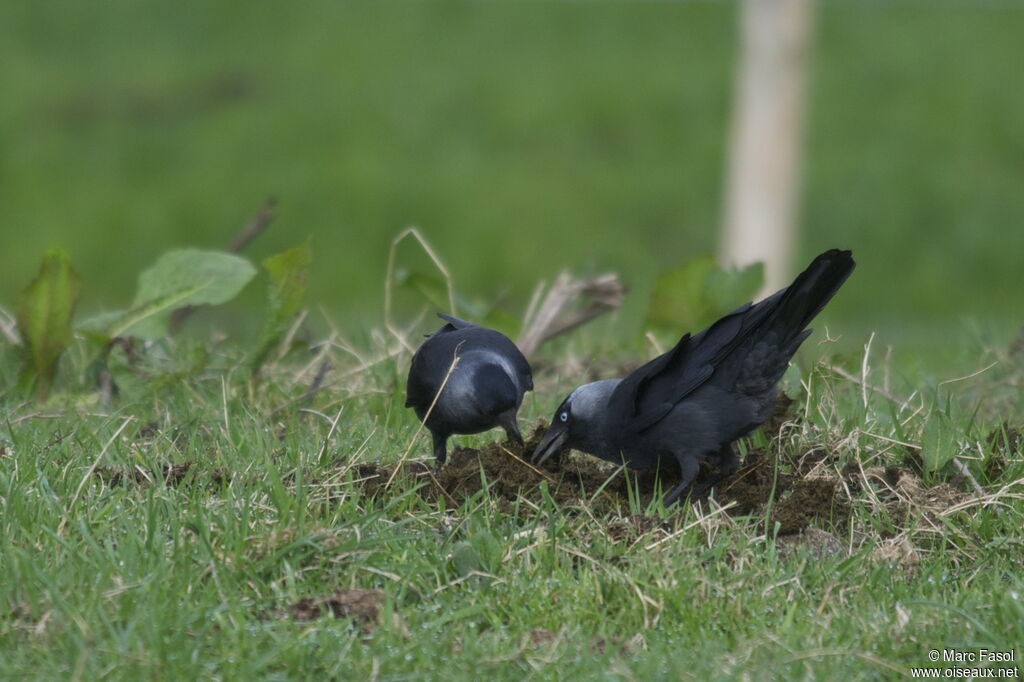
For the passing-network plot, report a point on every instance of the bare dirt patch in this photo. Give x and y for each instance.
(756, 482)
(543, 639)
(504, 469)
(797, 500)
(630, 528)
(169, 474)
(811, 499)
(805, 496)
(818, 543)
(362, 607)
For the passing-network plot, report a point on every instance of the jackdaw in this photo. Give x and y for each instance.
(484, 390)
(709, 390)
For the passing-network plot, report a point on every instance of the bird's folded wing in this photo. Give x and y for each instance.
(644, 397)
(419, 390)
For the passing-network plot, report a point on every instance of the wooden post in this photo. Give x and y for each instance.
(762, 186)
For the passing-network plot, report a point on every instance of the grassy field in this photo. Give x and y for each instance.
(195, 523)
(522, 137)
(200, 526)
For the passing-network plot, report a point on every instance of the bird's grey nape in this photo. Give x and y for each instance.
(590, 420)
(589, 401)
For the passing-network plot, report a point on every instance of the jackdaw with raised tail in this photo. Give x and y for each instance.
(712, 388)
(483, 389)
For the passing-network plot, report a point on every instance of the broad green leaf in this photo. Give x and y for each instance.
(100, 322)
(44, 313)
(729, 289)
(791, 381)
(150, 320)
(466, 559)
(289, 280)
(692, 296)
(938, 440)
(178, 279)
(95, 329)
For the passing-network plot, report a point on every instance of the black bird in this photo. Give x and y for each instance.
(484, 390)
(710, 389)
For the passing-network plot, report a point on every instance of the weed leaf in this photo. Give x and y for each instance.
(938, 440)
(181, 278)
(44, 313)
(150, 320)
(697, 293)
(289, 280)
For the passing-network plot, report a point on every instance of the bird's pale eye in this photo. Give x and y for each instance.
(564, 417)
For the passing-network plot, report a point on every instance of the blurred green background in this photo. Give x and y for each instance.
(521, 137)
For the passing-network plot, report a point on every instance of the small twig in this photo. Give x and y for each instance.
(468, 576)
(526, 464)
(551, 317)
(880, 391)
(966, 473)
(887, 376)
(315, 386)
(440, 487)
(990, 500)
(9, 328)
(969, 376)
(317, 382)
(697, 522)
(286, 343)
(864, 371)
(88, 474)
(651, 339)
(330, 433)
(106, 387)
(531, 308)
(255, 226)
(390, 275)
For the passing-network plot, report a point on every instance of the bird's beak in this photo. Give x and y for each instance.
(553, 440)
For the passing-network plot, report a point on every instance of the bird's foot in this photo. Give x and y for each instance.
(704, 489)
(676, 493)
(513, 435)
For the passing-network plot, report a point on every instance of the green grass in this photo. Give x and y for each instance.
(522, 137)
(142, 577)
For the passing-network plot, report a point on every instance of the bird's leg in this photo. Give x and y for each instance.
(689, 466)
(508, 422)
(728, 463)
(440, 448)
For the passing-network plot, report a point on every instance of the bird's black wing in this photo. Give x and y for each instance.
(769, 332)
(649, 393)
(420, 386)
(431, 360)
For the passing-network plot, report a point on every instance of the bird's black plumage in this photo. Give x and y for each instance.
(710, 389)
(484, 390)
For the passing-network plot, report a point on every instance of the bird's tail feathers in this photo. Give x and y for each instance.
(801, 301)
